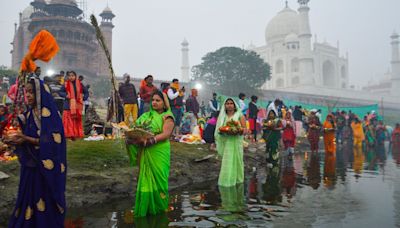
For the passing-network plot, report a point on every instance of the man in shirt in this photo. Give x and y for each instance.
(213, 104)
(242, 105)
(175, 96)
(127, 92)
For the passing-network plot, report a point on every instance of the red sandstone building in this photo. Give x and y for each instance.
(79, 49)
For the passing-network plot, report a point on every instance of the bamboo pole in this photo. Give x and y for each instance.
(100, 38)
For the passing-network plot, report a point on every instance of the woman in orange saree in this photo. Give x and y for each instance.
(329, 134)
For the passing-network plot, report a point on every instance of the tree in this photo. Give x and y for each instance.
(232, 70)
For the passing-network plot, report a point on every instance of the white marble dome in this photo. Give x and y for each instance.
(283, 24)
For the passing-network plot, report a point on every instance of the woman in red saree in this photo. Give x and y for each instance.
(314, 128)
(74, 94)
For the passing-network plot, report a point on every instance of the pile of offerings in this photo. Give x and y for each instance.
(231, 128)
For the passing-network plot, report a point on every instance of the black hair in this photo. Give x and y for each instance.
(71, 72)
(254, 98)
(241, 95)
(214, 94)
(148, 76)
(164, 85)
(175, 80)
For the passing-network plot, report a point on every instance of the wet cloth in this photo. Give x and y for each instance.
(230, 148)
(41, 195)
(154, 164)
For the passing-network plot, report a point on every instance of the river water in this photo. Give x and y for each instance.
(351, 188)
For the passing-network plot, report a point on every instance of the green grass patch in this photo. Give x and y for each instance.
(101, 155)
(111, 154)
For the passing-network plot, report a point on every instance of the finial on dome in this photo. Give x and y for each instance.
(185, 42)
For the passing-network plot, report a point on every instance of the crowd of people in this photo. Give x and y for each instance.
(54, 114)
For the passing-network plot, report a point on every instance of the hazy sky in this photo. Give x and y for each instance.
(148, 33)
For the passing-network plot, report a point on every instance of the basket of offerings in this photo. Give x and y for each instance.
(231, 128)
(135, 133)
(314, 126)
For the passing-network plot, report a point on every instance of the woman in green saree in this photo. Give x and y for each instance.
(272, 127)
(154, 158)
(230, 147)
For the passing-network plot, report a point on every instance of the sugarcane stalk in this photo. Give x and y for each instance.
(101, 40)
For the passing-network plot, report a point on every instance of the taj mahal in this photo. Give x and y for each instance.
(295, 59)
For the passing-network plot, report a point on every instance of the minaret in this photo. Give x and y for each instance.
(305, 58)
(395, 90)
(106, 27)
(185, 61)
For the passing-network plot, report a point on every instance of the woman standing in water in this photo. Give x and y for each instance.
(329, 134)
(289, 135)
(230, 147)
(154, 158)
(314, 127)
(41, 150)
(272, 127)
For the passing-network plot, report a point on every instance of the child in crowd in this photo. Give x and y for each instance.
(209, 130)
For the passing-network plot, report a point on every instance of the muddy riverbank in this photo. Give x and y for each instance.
(99, 172)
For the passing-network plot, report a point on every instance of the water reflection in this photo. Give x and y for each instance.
(232, 198)
(267, 194)
(314, 171)
(330, 171)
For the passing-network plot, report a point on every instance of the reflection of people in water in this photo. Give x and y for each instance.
(272, 188)
(253, 184)
(152, 221)
(232, 198)
(358, 160)
(342, 160)
(314, 171)
(330, 171)
(289, 178)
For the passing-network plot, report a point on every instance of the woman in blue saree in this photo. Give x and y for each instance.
(41, 150)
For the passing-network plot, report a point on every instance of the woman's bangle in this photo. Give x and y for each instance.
(150, 141)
